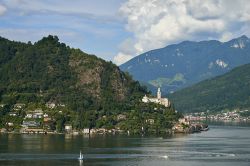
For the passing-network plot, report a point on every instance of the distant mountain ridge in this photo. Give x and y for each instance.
(228, 91)
(180, 65)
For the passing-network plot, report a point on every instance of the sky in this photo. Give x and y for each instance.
(118, 30)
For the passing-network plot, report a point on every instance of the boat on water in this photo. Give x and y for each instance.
(205, 129)
(81, 156)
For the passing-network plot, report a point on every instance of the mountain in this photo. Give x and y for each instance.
(180, 65)
(228, 91)
(50, 71)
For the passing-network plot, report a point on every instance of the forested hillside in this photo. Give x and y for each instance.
(68, 86)
(50, 71)
(229, 91)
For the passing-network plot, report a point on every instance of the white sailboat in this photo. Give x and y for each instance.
(81, 156)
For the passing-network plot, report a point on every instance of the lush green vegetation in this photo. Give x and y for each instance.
(228, 91)
(245, 114)
(51, 71)
(161, 81)
(144, 118)
(94, 92)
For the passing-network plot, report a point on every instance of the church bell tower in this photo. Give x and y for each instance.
(159, 93)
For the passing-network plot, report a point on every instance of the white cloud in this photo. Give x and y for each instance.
(157, 23)
(2, 9)
(127, 43)
(226, 36)
(91, 25)
(121, 58)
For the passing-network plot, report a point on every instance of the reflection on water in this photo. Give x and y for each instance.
(80, 162)
(221, 145)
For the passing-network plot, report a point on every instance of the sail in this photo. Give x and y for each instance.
(81, 156)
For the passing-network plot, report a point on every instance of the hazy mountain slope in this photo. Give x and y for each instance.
(180, 65)
(229, 91)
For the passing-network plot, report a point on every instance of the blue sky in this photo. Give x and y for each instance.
(118, 30)
(92, 26)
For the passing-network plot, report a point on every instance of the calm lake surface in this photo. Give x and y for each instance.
(220, 146)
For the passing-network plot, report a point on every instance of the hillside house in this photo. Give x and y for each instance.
(50, 105)
(150, 121)
(121, 117)
(10, 124)
(86, 131)
(18, 106)
(13, 114)
(68, 128)
(28, 124)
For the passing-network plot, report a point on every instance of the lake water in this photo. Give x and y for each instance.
(220, 146)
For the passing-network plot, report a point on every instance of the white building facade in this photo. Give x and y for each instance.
(158, 99)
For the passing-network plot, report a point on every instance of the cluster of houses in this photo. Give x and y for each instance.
(234, 115)
(69, 129)
(186, 126)
(120, 117)
(32, 120)
(37, 121)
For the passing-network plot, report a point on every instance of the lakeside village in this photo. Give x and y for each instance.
(235, 115)
(53, 118)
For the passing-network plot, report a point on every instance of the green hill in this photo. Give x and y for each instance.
(50, 71)
(87, 91)
(229, 91)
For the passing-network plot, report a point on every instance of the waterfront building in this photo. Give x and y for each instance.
(68, 128)
(184, 121)
(86, 131)
(3, 130)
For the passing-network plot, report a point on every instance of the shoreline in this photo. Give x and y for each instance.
(194, 128)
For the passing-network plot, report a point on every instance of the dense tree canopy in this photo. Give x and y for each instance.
(229, 91)
(89, 92)
(50, 71)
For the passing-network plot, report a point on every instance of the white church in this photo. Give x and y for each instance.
(158, 100)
